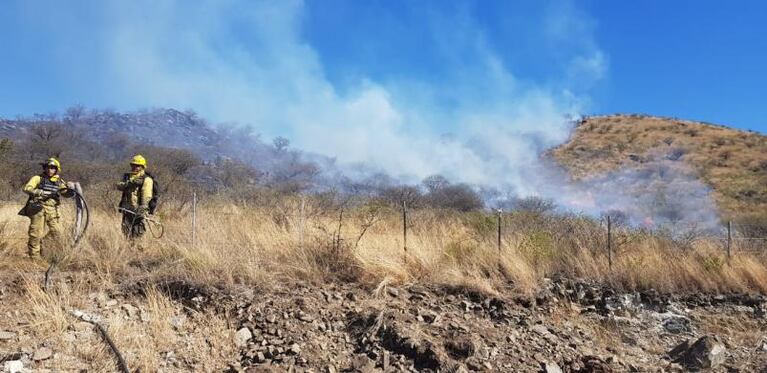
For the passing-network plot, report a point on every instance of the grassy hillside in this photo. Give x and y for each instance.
(732, 162)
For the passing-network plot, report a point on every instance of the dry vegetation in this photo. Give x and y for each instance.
(241, 244)
(252, 236)
(732, 162)
(313, 242)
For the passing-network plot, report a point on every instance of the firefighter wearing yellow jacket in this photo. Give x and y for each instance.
(42, 208)
(137, 187)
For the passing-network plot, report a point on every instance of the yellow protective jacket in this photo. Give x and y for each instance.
(135, 195)
(36, 184)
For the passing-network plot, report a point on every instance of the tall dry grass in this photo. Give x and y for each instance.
(304, 241)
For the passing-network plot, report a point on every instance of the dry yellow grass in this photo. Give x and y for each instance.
(256, 247)
(259, 247)
(732, 162)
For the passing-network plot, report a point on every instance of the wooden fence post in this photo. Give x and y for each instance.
(194, 219)
(500, 220)
(729, 239)
(609, 243)
(301, 223)
(404, 225)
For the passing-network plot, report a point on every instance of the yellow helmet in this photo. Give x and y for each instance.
(52, 162)
(138, 160)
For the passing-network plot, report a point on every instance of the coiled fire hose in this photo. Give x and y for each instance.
(82, 221)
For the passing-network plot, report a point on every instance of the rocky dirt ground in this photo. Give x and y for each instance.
(571, 326)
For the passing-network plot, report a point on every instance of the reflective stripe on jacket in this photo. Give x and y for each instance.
(54, 185)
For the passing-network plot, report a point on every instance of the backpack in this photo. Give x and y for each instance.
(155, 191)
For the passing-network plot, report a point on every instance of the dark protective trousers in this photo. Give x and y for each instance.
(133, 225)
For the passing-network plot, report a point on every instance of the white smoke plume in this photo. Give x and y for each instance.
(491, 132)
(249, 62)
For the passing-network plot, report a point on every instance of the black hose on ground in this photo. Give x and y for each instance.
(82, 207)
(120, 360)
(123, 367)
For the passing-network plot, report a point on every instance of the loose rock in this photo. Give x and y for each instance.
(13, 366)
(295, 349)
(550, 367)
(707, 352)
(392, 291)
(242, 337)
(43, 353)
(677, 325)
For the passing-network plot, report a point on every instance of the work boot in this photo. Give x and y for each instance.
(136, 245)
(38, 260)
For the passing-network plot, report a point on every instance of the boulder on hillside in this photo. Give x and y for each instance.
(705, 353)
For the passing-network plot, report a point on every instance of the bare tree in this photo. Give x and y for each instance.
(370, 215)
(408, 194)
(74, 113)
(534, 204)
(6, 145)
(459, 197)
(45, 139)
(435, 182)
(281, 144)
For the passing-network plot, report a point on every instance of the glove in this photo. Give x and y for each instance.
(39, 193)
(70, 185)
(142, 210)
(139, 181)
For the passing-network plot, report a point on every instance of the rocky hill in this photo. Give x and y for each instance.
(164, 127)
(732, 162)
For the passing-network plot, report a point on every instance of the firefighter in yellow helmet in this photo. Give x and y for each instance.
(137, 187)
(45, 192)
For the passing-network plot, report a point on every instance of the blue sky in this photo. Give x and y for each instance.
(420, 67)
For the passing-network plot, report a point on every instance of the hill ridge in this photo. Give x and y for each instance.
(732, 162)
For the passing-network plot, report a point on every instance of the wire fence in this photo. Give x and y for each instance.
(732, 238)
(729, 238)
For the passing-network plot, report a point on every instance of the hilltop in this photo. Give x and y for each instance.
(732, 162)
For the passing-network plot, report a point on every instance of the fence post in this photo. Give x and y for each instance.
(194, 219)
(729, 239)
(609, 243)
(301, 222)
(404, 225)
(500, 220)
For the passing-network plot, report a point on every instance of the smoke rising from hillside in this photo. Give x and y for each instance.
(474, 121)
(659, 193)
